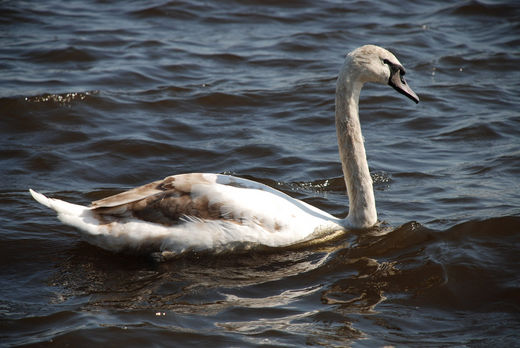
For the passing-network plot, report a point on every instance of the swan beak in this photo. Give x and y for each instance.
(398, 82)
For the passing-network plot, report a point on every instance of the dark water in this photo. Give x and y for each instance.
(97, 97)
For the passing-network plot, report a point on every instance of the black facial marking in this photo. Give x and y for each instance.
(394, 68)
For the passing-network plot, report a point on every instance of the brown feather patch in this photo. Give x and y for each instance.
(179, 183)
(165, 202)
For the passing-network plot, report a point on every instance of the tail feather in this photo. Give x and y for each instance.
(124, 234)
(61, 207)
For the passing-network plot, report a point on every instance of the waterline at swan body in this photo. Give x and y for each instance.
(219, 212)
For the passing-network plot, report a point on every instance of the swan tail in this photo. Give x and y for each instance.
(71, 214)
(131, 235)
(61, 207)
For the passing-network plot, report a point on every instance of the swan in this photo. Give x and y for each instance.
(201, 211)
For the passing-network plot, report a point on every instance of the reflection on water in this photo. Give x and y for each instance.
(282, 295)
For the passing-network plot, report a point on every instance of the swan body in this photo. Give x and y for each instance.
(194, 211)
(201, 211)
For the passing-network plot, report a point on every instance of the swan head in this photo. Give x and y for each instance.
(375, 64)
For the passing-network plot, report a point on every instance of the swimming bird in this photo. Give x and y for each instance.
(201, 211)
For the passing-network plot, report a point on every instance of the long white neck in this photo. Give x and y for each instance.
(362, 206)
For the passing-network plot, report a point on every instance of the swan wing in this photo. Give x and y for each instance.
(178, 198)
(177, 185)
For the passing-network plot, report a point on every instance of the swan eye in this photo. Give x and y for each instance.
(395, 68)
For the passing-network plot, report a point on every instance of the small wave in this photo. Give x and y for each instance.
(477, 132)
(62, 55)
(486, 9)
(219, 99)
(63, 98)
(488, 61)
(165, 11)
(14, 16)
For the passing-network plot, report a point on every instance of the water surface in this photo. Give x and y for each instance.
(97, 97)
